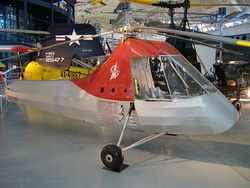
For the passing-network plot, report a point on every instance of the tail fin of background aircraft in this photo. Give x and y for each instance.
(61, 56)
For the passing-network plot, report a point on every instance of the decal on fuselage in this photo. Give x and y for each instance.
(71, 75)
(50, 57)
(114, 71)
(108, 111)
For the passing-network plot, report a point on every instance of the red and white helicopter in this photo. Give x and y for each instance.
(149, 80)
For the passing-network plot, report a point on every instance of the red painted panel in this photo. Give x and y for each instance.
(113, 79)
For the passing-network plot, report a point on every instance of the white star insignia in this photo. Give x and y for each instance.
(74, 36)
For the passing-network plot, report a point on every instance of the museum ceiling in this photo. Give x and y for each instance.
(102, 14)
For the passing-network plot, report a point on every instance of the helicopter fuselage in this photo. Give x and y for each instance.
(207, 114)
(167, 93)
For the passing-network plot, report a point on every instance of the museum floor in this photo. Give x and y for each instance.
(44, 150)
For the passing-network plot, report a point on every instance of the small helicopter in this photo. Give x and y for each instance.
(148, 80)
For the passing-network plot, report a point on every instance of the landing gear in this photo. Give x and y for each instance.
(112, 155)
(237, 104)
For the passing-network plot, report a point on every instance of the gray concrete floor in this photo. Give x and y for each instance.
(40, 149)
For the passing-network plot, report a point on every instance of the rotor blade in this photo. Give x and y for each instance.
(22, 49)
(26, 31)
(143, 2)
(170, 4)
(192, 4)
(149, 11)
(204, 44)
(15, 48)
(85, 37)
(200, 36)
(94, 2)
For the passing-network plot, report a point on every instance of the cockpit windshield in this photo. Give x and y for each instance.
(167, 77)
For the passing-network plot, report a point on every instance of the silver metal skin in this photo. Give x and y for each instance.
(207, 114)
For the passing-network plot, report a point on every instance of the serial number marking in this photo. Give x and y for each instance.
(57, 59)
(71, 75)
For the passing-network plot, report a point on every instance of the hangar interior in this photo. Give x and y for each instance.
(124, 93)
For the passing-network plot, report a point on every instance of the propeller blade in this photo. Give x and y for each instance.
(203, 44)
(25, 31)
(200, 36)
(193, 4)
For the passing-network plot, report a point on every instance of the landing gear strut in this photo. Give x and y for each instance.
(112, 155)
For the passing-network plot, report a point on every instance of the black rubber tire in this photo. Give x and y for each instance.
(237, 104)
(112, 157)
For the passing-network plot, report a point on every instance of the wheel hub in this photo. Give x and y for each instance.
(109, 158)
(112, 157)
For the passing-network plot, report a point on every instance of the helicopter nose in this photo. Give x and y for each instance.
(222, 114)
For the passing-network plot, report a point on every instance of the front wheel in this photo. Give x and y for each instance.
(112, 157)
